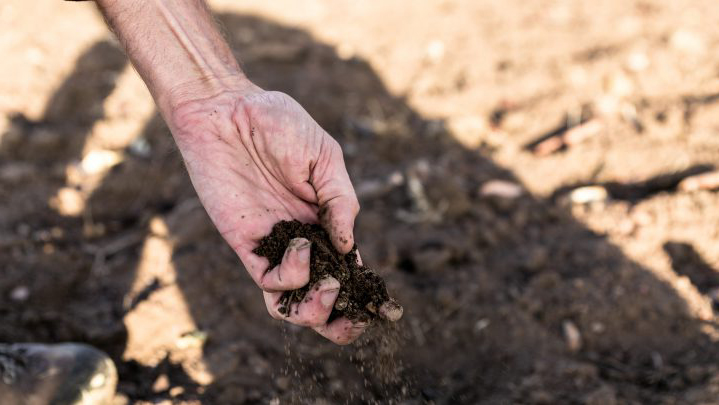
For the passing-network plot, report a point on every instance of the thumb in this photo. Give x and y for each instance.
(336, 197)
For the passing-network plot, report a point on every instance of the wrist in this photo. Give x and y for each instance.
(203, 88)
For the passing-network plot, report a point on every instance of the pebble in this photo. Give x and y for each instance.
(177, 391)
(68, 201)
(140, 147)
(598, 327)
(162, 383)
(192, 339)
(501, 188)
(481, 325)
(20, 293)
(572, 336)
(704, 181)
(98, 161)
(588, 194)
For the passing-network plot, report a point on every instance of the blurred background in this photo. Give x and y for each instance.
(537, 179)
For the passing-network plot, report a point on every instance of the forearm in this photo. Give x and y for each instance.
(175, 47)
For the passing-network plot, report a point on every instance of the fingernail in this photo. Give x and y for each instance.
(327, 298)
(391, 310)
(302, 247)
(359, 326)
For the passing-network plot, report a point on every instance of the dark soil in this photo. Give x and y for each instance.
(516, 298)
(363, 291)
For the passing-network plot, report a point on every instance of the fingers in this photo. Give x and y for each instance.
(338, 218)
(294, 270)
(391, 310)
(336, 197)
(313, 310)
(341, 331)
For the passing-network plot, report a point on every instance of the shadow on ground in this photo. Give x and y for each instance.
(491, 287)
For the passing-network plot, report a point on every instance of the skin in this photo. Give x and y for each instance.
(255, 157)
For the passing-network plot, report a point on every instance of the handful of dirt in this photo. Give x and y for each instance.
(363, 295)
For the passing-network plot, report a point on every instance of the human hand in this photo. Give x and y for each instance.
(256, 157)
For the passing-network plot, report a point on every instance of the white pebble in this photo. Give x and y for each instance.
(572, 336)
(501, 188)
(588, 194)
(20, 293)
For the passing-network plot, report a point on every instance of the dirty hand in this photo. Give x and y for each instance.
(256, 157)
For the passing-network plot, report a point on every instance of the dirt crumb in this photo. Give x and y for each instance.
(362, 291)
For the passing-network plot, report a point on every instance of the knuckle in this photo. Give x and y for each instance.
(310, 317)
(355, 206)
(263, 283)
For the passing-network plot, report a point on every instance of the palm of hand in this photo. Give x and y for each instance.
(260, 158)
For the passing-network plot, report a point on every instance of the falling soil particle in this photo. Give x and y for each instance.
(362, 291)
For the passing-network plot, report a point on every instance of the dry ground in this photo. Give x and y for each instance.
(525, 299)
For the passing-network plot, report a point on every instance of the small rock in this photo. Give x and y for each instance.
(588, 194)
(140, 147)
(192, 339)
(657, 361)
(98, 161)
(68, 201)
(20, 293)
(704, 181)
(501, 188)
(481, 325)
(582, 132)
(396, 178)
(572, 336)
(158, 227)
(177, 391)
(162, 383)
(549, 146)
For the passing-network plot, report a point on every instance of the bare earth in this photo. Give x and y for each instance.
(531, 297)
